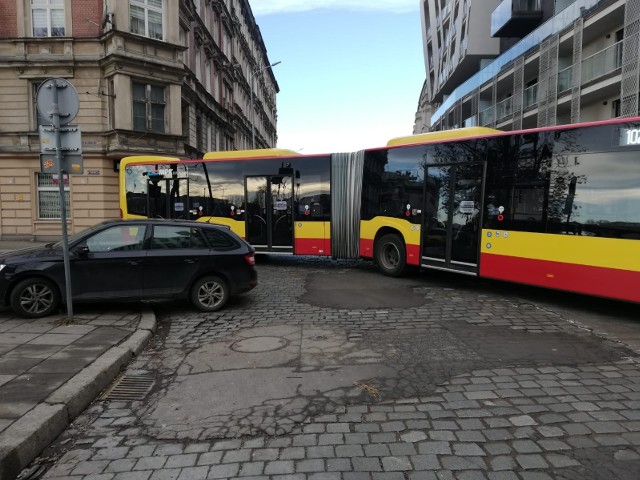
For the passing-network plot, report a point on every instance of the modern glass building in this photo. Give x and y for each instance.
(556, 62)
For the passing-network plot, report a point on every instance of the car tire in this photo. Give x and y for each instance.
(209, 293)
(35, 297)
(391, 255)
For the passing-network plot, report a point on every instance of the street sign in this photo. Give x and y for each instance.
(61, 149)
(72, 164)
(70, 139)
(71, 160)
(67, 103)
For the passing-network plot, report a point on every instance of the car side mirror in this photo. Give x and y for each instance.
(82, 251)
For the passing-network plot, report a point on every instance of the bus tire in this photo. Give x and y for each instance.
(209, 294)
(34, 297)
(391, 255)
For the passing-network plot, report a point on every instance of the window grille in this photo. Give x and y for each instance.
(49, 197)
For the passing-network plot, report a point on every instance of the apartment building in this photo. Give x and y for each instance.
(559, 62)
(177, 78)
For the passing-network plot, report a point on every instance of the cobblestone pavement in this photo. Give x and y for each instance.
(466, 380)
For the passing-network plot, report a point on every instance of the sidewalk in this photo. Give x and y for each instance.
(50, 372)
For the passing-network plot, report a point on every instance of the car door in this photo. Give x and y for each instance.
(175, 255)
(109, 264)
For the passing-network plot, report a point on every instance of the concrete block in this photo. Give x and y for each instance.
(25, 439)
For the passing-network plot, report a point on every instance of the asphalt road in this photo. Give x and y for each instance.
(329, 370)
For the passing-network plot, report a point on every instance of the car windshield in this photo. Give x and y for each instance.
(76, 236)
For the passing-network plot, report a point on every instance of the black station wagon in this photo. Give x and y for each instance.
(131, 260)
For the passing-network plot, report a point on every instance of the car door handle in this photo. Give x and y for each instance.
(133, 262)
(190, 260)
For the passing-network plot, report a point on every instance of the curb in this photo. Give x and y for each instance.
(24, 440)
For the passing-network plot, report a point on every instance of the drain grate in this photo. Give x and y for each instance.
(129, 387)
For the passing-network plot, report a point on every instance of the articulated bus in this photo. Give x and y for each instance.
(556, 207)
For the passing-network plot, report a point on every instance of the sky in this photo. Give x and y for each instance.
(351, 71)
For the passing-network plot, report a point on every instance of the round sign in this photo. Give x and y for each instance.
(67, 99)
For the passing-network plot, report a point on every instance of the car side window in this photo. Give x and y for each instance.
(118, 238)
(175, 237)
(220, 240)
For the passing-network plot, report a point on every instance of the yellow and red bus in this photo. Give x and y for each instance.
(557, 207)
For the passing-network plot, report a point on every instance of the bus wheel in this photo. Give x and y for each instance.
(390, 255)
(209, 294)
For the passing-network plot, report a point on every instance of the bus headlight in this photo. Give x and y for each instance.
(2, 265)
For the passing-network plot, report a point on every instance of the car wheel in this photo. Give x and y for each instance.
(34, 298)
(390, 255)
(209, 294)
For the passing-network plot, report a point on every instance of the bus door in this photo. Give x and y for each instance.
(168, 197)
(452, 228)
(269, 213)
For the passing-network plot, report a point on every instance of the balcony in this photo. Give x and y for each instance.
(565, 79)
(487, 116)
(530, 96)
(602, 63)
(504, 108)
(516, 18)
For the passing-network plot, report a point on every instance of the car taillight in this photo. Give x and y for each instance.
(250, 258)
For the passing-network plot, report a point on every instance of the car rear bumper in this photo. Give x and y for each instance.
(251, 284)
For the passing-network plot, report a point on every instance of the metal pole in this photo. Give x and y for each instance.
(63, 206)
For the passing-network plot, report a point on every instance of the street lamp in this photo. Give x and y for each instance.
(254, 73)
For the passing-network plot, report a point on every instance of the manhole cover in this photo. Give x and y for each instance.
(259, 344)
(130, 387)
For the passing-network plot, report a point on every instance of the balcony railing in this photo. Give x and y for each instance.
(504, 108)
(487, 116)
(530, 96)
(595, 66)
(562, 4)
(565, 79)
(602, 63)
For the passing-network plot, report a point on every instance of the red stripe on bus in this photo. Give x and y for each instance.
(366, 248)
(313, 246)
(413, 254)
(603, 282)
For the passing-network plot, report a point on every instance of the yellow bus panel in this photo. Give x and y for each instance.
(457, 133)
(263, 152)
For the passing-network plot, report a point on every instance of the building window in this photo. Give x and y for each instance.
(49, 196)
(148, 107)
(146, 18)
(47, 18)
